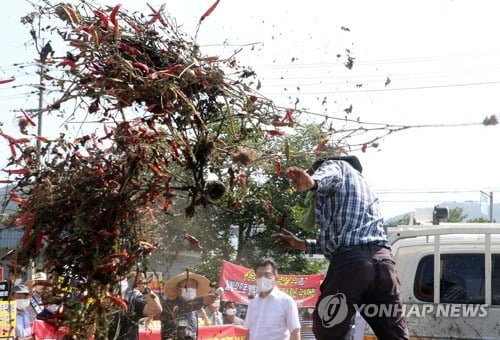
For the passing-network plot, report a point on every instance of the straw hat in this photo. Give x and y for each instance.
(38, 278)
(170, 287)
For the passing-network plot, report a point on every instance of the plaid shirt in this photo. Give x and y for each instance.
(347, 211)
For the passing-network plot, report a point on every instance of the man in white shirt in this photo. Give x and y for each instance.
(272, 314)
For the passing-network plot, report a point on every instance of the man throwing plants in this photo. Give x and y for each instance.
(362, 269)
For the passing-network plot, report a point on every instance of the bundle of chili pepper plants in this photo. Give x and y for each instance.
(168, 116)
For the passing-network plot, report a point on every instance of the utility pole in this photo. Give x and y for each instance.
(44, 53)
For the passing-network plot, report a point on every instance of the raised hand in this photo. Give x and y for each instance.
(300, 179)
(287, 239)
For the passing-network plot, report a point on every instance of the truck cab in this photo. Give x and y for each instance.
(465, 302)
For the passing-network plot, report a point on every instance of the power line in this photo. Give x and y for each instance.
(360, 62)
(389, 89)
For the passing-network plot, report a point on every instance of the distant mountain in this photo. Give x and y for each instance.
(471, 209)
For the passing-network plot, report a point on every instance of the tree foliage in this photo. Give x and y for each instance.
(456, 215)
(268, 199)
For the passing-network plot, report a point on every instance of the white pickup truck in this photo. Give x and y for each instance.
(465, 302)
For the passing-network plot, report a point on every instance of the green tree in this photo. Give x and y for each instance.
(478, 220)
(267, 199)
(404, 220)
(456, 215)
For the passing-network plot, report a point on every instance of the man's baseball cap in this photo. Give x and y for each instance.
(20, 289)
(352, 160)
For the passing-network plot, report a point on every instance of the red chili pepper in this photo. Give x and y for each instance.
(41, 139)
(26, 235)
(86, 29)
(288, 116)
(25, 219)
(166, 204)
(13, 197)
(241, 179)
(209, 11)
(28, 118)
(130, 49)
(156, 16)
(143, 67)
(277, 123)
(122, 255)
(8, 80)
(174, 149)
(198, 72)
(134, 26)
(168, 71)
(17, 171)
(172, 69)
(12, 149)
(277, 168)
(79, 155)
(67, 62)
(103, 18)
(237, 205)
(9, 138)
(118, 301)
(38, 241)
(321, 144)
(114, 12)
(73, 14)
(153, 168)
(193, 240)
(106, 268)
(107, 234)
(21, 140)
(271, 133)
(19, 200)
(212, 58)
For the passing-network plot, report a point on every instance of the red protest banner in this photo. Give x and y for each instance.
(222, 332)
(45, 331)
(232, 332)
(239, 282)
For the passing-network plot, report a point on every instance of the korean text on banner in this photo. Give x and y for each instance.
(239, 282)
(7, 319)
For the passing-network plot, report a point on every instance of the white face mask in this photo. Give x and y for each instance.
(264, 285)
(21, 304)
(231, 311)
(310, 310)
(52, 308)
(123, 286)
(188, 293)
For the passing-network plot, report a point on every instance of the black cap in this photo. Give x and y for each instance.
(352, 160)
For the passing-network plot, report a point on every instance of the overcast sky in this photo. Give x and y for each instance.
(442, 59)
